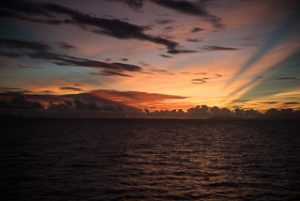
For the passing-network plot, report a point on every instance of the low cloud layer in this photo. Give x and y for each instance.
(134, 98)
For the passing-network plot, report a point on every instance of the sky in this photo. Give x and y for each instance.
(156, 54)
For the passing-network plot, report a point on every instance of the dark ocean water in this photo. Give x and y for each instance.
(92, 159)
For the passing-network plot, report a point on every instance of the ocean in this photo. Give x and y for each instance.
(147, 159)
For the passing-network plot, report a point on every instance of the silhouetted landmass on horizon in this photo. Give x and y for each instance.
(87, 106)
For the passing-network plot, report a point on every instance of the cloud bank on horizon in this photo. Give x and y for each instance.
(228, 53)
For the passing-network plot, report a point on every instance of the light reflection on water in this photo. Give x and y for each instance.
(150, 160)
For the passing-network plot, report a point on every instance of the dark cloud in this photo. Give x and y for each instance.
(134, 4)
(71, 88)
(204, 80)
(13, 90)
(161, 71)
(124, 59)
(164, 21)
(133, 97)
(190, 8)
(291, 103)
(218, 48)
(198, 8)
(270, 102)
(19, 102)
(114, 73)
(196, 29)
(66, 46)
(165, 56)
(64, 60)
(23, 45)
(287, 78)
(142, 63)
(200, 73)
(55, 14)
(193, 40)
(9, 54)
(177, 51)
(169, 28)
(199, 81)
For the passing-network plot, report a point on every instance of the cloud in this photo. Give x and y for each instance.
(124, 59)
(142, 63)
(169, 28)
(114, 73)
(177, 51)
(133, 98)
(66, 46)
(287, 78)
(291, 103)
(14, 90)
(18, 101)
(218, 48)
(23, 45)
(161, 71)
(186, 7)
(9, 54)
(203, 80)
(165, 56)
(193, 40)
(71, 88)
(54, 14)
(134, 4)
(270, 102)
(40, 51)
(199, 81)
(190, 8)
(164, 21)
(196, 29)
